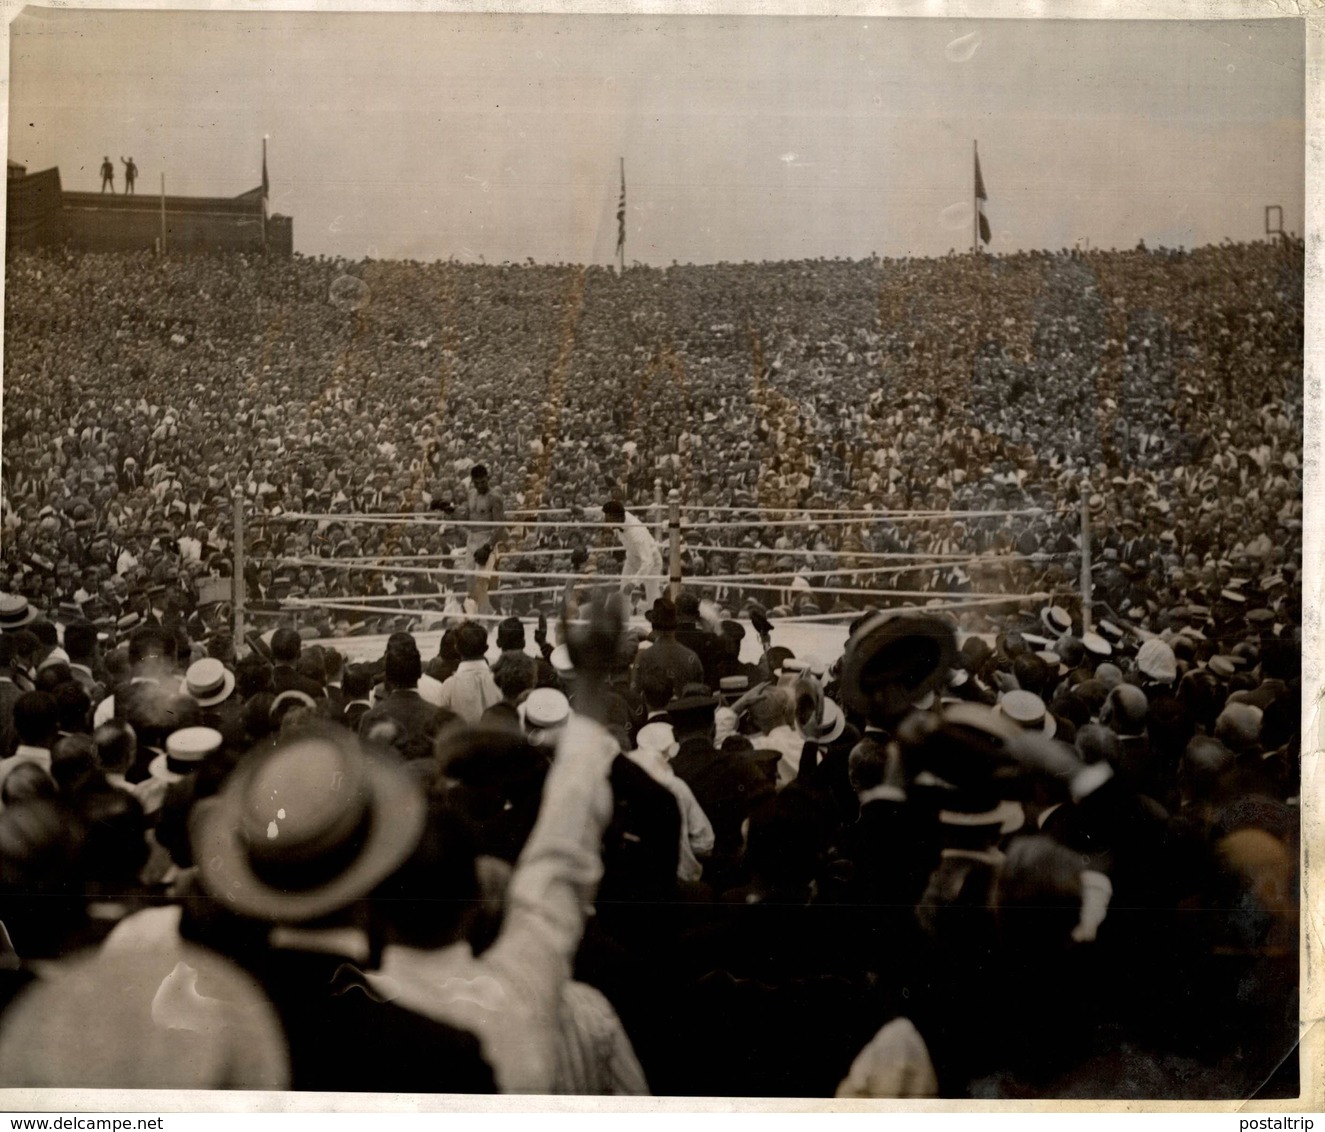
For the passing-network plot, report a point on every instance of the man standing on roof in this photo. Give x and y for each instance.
(643, 558)
(130, 175)
(107, 175)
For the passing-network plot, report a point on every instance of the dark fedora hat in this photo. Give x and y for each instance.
(662, 616)
(893, 659)
(306, 828)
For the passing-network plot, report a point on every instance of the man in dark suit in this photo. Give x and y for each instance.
(286, 645)
(667, 654)
(726, 783)
(305, 893)
(414, 722)
(705, 645)
(333, 667)
(355, 688)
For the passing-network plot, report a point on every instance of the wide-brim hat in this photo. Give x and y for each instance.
(15, 612)
(208, 682)
(306, 828)
(894, 659)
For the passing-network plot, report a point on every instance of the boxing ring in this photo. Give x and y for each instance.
(435, 591)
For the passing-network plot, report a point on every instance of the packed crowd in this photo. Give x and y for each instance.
(1055, 865)
(141, 394)
(1008, 851)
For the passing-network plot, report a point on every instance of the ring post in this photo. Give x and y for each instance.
(674, 544)
(237, 581)
(1085, 560)
(657, 508)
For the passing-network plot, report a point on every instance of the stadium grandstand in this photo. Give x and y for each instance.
(43, 214)
(941, 738)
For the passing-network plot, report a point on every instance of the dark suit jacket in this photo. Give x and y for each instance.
(342, 1039)
(284, 679)
(680, 663)
(335, 701)
(417, 719)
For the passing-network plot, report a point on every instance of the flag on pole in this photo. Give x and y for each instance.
(980, 199)
(621, 211)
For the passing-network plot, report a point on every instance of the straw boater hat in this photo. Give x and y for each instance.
(186, 750)
(306, 828)
(208, 682)
(15, 612)
(1056, 619)
(1096, 645)
(1028, 712)
(831, 726)
(545, 708)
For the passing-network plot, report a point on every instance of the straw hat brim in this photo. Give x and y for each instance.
(1048, 727)
(885, 631)
(398, 813)
(228, 686)
(29, 616)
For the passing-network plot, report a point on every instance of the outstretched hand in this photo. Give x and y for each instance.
(593, 644)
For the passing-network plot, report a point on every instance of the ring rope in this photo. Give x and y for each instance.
(817, 591)
(975, 601)
(877, 517)
(869, 555)
(753, 551)
(699, 579)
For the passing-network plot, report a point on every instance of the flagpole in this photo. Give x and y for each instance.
(621, 243)
(975, 201)
(264, 192)
(163, 213)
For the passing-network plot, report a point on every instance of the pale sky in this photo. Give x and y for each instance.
(432, 136)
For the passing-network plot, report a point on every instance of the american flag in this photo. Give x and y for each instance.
(621, 211)
(980, 199)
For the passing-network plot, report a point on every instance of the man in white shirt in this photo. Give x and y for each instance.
(470, 690)
(643, 558)
(35, 723)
